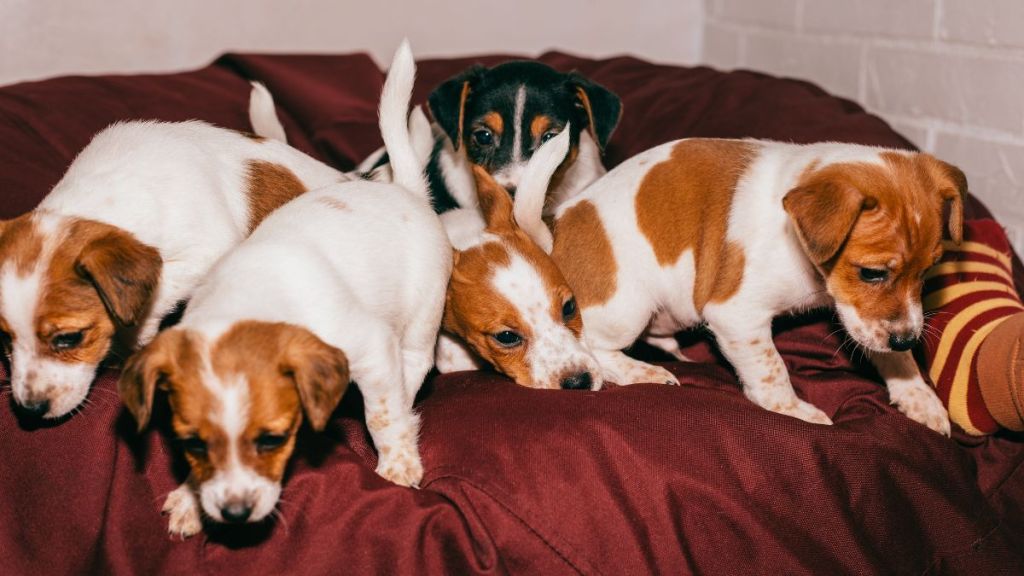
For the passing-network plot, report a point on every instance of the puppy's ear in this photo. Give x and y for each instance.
(448, 102)
(319, 370)
(600, 108)
(124, 271)
(150, 367)
(824, 212)
(495, 203)
(953, 194)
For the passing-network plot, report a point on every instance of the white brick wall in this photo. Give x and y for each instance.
(948, 74)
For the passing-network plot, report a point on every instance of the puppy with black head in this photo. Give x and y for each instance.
(497, 117)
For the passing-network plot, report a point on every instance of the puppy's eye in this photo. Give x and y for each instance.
(507, 339)
(66, 341)
(194, 445)
(483, 137)
(548, 135)
(268, 442)
(569, 309)
(874, 275)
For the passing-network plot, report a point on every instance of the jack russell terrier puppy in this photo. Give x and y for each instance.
(344, 281)
(732, 233)
(496, 118)
(140, 216)
(507, 304)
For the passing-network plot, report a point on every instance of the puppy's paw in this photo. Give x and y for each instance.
(641, 373)
(921, 405)
(803, 410)
(182, 509)
(401, 466)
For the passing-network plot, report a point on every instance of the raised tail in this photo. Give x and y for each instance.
(263, 115)
(528, 206)
(406, 165)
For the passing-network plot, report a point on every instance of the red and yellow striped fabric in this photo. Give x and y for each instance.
(968, 295)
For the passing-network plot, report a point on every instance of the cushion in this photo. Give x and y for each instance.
(631, 480)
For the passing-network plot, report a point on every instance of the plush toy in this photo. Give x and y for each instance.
(973, 347)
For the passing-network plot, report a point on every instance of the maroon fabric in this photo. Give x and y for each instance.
(643, 479)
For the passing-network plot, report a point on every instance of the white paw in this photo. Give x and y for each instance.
(401, 465)
(921, 405)
(182, 507)
(641, 373)
(803, 410)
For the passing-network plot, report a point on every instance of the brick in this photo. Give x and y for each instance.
(903, 18)
(995, 172)
(834, 66)
(777, 14)
(721, 47)
(989, 22)
(966, 89)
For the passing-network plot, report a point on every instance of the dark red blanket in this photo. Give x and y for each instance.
(643, 479)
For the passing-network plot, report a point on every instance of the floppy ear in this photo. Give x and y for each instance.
(601, 108)
(320, 373)
(123, 270)
(824, 213)
(145, 370)
(495, 203)
(448, 102)
(954, 195)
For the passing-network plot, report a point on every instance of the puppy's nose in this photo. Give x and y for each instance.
(902, 342)
(236, 512)
(35, 409)
(581, 381)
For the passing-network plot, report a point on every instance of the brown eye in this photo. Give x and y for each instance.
(194, 445)
(483, 137)
(507, 339)
(569, 309)
(268, 442)
(67, 340)
(874, 275)
(548, 135)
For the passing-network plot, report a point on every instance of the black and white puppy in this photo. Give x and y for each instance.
(497, 117)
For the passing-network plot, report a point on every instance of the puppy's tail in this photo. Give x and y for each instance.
(263, 115)
(533, 188)
(406, 163)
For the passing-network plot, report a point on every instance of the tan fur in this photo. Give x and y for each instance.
(463, 97)
(683, 204)
(20, 244)
(494, 123)
(539, 125)
(270, 186)
(584, 253)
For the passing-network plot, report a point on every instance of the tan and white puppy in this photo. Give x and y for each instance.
(732, 233)
(347, 281)
(507, 304)
(135, 223)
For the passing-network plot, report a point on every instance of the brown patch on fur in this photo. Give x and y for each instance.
(270, 185)
(494, 123)
(584, 254)
(20, 244)
(333, 203)
(683, 204)
(539, 125)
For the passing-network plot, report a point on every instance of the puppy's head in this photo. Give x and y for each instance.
(873, 229)
(237, 403)
(510, 303)
(66, 287)
(503, 114)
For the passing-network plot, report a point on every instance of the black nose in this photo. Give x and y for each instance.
(899, 343)
(35, 409)
(581, 381)
(236, 512)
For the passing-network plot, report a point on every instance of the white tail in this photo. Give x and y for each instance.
(406, 165)
(263, 115)
(528, 206)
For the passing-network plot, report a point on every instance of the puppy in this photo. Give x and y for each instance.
(496, 118)
(344, 281)
(135, 223)
(732, 233)
(507, 303)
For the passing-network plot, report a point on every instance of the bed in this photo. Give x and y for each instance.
(632, 480)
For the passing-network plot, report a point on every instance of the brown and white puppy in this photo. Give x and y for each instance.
(496, 118)
(508, 304)
(138, 219)
(732, 233)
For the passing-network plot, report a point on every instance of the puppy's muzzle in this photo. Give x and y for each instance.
(580, 381)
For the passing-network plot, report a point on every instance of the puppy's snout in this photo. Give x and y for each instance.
(581, 381)
(237, 511)
(902, 342)
(35, 408)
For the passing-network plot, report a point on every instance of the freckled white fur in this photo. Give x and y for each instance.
(777, 276)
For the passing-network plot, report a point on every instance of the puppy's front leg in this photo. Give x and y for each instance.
(909, 392)
(182, 509)
(750, 349)
(452, 355)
